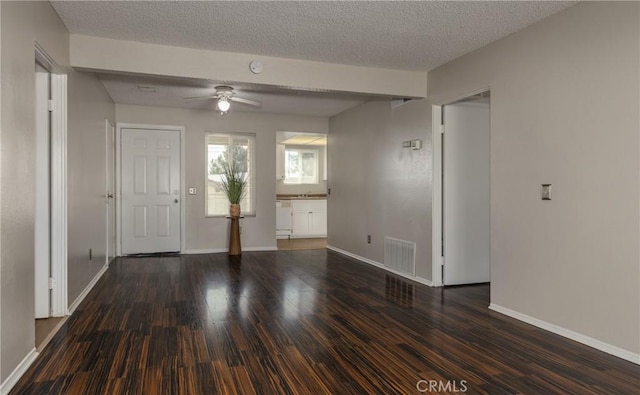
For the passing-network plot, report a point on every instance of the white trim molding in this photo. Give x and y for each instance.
(417, 279)
(558, 330)
(86, 290)
(436, 198)
(59, 215)
(248, 249)
(206, 251)
(221, 250)
(22, 367)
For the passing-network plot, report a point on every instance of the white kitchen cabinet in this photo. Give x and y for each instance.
(280, 162)
(318, 223)
(300, 223)
(308, 218)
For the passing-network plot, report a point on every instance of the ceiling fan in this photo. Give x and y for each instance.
(224, 95)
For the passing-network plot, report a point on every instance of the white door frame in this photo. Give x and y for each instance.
(59, 303)
(436, 210)
(110, 131)
(183, 222)
(42, 232)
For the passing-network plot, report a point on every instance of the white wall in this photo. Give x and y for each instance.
(564, 110)
(211, 233)
(22, 24)
(88, 106)
(377, 187)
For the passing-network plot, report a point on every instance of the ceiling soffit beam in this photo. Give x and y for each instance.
(101, 54)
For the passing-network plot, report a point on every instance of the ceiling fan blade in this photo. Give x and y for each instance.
(201, 97)
(245, 101)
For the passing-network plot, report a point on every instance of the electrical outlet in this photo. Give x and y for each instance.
(192, 191)
(368, 239)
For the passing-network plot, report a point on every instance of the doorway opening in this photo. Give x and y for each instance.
(461, 205)
(301, 190)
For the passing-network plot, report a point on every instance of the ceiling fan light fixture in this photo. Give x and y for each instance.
(223, 105)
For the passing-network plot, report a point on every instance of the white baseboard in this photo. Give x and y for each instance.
(220, 250)
(22, 367)
(206, 251)
(580, 338)
(417, 279)
(423, 280)
(272, 248)
(73, 306)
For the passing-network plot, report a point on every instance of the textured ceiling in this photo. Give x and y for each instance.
(414, 35)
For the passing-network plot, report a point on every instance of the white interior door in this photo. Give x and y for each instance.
(42, 195)
(150, 191)
(110, 136)
(466, 193)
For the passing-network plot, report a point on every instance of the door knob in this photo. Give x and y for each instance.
(175, 200)
(109, 195)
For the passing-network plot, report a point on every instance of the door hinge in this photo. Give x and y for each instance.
(52, 105)
(52, 282)
(441, 129)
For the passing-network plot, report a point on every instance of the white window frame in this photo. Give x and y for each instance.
(251, 193)
(301, 180)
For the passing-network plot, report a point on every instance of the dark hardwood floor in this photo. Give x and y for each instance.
(302, 322)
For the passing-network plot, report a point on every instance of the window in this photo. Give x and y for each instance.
(300, 166)
(221, 148)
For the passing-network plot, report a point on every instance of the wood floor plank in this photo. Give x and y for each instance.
(302, 322)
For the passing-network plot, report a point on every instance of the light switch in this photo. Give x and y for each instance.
(192, 191)
(546, 192)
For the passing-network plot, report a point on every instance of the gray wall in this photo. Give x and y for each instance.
(378, 187)
(564, 110)
(211, 233)
(22, 24)
(88, 106)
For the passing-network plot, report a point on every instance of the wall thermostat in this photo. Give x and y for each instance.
(256, 67)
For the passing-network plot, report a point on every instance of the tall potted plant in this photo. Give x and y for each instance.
(234, 185)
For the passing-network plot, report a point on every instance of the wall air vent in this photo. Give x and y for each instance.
(400, 255)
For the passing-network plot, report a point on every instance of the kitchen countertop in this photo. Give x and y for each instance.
(311, 196)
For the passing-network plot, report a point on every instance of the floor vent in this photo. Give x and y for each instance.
(400, 255)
